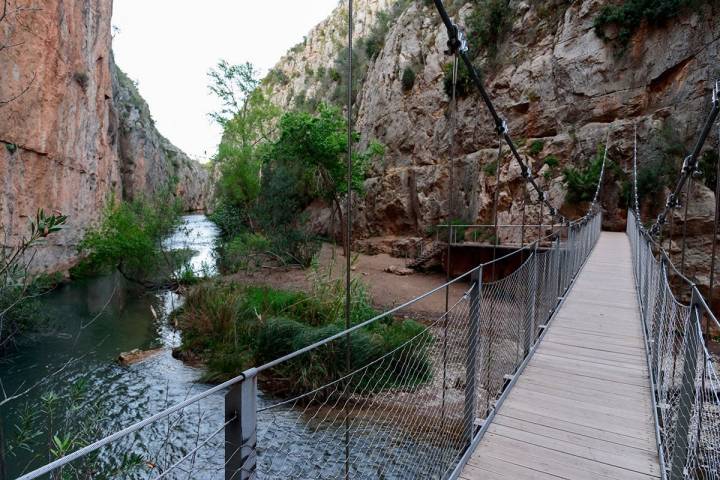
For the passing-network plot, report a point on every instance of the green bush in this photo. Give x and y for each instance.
(129, 237)
(229, 218)
(244, 251)
(536, 147)
(629, 15)
(408, 79)
(487, 26)
(232, 328)
(659, 163)
(582, 182)
(490, 168)
(464, 85)
(551, 161)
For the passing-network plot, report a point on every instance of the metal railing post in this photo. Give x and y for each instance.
(241, 431)
(558, 267)
(472, 354)
(686, 401)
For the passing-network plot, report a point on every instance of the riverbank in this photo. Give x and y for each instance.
(386, 289)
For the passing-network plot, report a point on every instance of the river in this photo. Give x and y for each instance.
(91, 321)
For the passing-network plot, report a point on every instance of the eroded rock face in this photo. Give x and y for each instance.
(68, 138)
(554, 80)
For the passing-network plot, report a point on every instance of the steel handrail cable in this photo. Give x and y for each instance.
(602, 175)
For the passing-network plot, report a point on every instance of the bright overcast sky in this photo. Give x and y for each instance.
(168, 46)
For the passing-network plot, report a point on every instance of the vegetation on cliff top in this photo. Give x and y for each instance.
(629, 15)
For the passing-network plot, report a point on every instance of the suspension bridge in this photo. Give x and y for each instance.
(584, 362)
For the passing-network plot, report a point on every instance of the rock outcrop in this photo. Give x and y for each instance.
(558, 84)
(72, 132)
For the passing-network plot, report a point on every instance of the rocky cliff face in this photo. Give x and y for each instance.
(72, 134)
(556, 82)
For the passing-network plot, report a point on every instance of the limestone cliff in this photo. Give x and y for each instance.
(72, 131)
(555, 81)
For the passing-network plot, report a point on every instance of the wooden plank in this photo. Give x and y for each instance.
(639, 404)
(611, 413)
(595, 351)
(623, 368)
(636, 441)
(623, 458)
(604, 443)
(493, 468)
(553, 461)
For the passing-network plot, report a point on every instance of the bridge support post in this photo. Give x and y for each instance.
(472, 356)
(693, 343)
(241, 431)
(560, 263)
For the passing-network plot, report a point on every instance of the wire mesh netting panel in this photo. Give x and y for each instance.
(686, 382)
(400, 414)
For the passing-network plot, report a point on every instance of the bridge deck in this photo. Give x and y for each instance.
(581, 409)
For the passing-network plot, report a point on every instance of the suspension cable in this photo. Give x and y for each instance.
(636, 202)
(690, 162)
(593, 204)
(348, 226)
(688, 193)
(457, 44)
(496, 198)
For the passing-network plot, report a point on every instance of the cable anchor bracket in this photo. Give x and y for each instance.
(457, 41)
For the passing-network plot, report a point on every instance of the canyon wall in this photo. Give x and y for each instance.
(559, 85)
(73, 130)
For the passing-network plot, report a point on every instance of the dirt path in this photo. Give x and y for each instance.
(387, 289)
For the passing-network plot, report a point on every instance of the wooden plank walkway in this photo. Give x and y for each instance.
(581, 409)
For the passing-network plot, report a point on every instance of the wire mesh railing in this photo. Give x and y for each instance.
(685, 380)
(396, 396)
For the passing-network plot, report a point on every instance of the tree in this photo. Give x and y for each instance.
(247, 116)
(317, 145)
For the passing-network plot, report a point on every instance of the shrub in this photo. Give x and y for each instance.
(582, 182)
(629, 15)
(536, 147)
(408, 79)
(551, 161)
(660, 163)
(243, 252)
(129, 237)
(464, 85)
(491, 168)
(232, 328)
(487, 26)
(229, 218)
